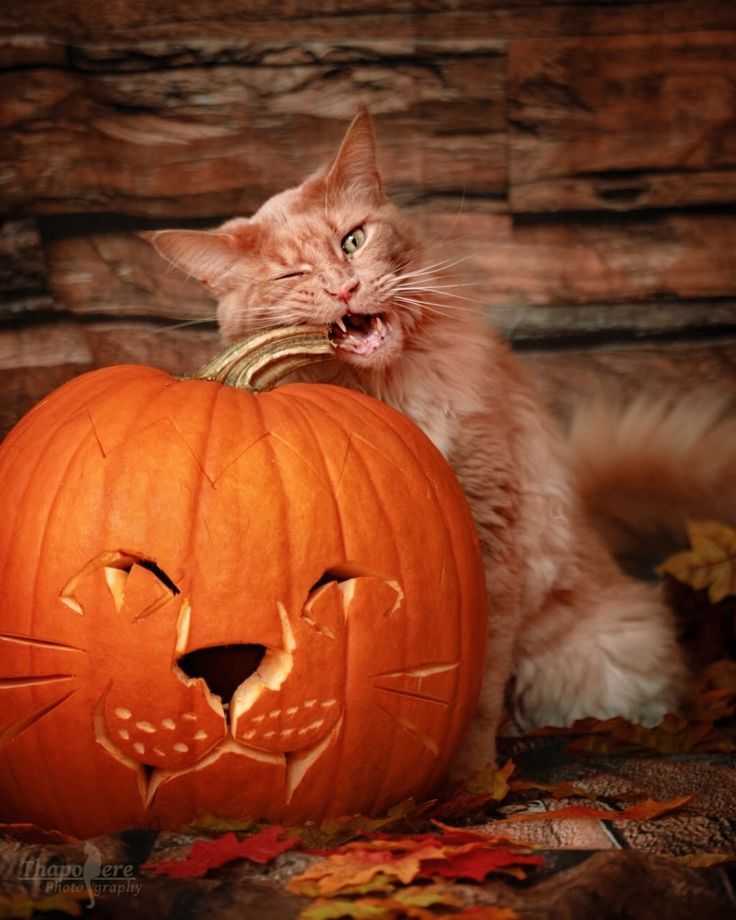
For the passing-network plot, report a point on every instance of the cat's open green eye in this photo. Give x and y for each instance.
(353, 241)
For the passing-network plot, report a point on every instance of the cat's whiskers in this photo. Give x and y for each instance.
(435, 267)
(438, 291)
(170, 327)
(447, 311)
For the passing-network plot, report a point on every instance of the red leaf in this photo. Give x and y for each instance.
(211, 854)
(475, 864)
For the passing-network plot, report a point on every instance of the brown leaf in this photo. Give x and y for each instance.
(31, 833)
(705, 860)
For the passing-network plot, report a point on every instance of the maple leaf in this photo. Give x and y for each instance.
(468, 797)
(492, 782)
(709, 563)
(561, 790)
(413, 902)
(674, 735)
(643, 811)
(211, 824)
(478, 862)
(211, 854)
(31, 833)
(357, 866)
(456, 853)
(20, 907)
(705, 860)
(333, 832)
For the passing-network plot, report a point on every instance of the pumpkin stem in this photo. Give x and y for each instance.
(262, 359)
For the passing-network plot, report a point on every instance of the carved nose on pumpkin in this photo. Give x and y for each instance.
(223, 667)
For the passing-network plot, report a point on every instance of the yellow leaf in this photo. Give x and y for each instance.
(710, 563)
(705, 860)
(20, 906)
(491, 781)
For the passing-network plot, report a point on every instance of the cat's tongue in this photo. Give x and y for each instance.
(359, 333)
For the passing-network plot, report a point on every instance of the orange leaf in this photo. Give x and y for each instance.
(643, 811)
(457, 853)
(343, 871)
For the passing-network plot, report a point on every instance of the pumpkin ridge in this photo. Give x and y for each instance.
(304, 416)
(463, 636)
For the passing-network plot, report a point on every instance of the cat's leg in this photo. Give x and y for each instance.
(504, 614)
(599, 651)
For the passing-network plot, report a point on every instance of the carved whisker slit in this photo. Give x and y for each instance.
(33, 680)
(39, 643)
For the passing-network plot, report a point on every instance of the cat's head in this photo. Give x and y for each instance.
(331, 251)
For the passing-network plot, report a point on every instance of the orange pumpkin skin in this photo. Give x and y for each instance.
(147, 517)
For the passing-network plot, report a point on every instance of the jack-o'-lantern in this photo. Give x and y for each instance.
(222, 602)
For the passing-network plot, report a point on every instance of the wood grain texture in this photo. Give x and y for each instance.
(23, 281)
(61, 29)
(621, 123)
(34, 360)
(652, 271)
(190, 141)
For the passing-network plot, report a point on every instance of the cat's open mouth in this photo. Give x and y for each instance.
(361, 333)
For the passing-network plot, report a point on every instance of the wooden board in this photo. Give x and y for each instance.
(36, 359)
(114, 31)
(190, 141)
(674, 265)
(631, 121)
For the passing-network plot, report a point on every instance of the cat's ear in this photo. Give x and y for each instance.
(207, 255)
(354, 170)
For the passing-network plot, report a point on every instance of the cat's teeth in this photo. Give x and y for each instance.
(341, 323)
(379, 324)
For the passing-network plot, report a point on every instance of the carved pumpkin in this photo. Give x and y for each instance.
(221, 602)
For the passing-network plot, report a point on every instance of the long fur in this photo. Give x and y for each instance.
(570, 634)
(645, 467)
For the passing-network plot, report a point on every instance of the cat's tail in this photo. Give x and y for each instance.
(646, 467)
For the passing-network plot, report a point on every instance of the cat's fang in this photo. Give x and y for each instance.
(360, 334)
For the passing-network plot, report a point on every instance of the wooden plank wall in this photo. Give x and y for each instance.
(580, 156)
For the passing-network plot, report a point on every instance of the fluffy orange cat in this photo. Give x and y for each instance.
(569, 633)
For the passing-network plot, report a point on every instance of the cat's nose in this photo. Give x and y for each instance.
(223, 667)
(345, 291)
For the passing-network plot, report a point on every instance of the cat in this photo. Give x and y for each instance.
(570, 635)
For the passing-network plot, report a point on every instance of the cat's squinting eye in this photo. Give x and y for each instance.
(353, 240)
